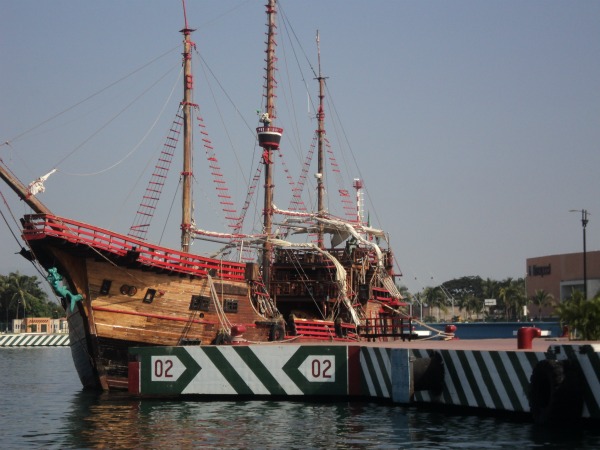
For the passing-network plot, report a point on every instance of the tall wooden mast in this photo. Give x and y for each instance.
(320, 151)
(269, 138)
(186, 106)
(22, 191)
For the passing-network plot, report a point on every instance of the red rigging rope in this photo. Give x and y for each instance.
(221, 187)
(296, 203)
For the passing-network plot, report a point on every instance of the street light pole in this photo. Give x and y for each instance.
(584, 222)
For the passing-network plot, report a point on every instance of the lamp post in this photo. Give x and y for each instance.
(417, 297)
(16, 316)
(584, 221)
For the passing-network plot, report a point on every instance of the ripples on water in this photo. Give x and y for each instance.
(42, 406)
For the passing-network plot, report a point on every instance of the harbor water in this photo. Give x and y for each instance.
(43, 406)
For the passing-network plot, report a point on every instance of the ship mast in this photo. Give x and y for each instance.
(269, 138)
(22, 191)
(321, 139)
(186, 106)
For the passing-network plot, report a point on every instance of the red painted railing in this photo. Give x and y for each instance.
(40, 226)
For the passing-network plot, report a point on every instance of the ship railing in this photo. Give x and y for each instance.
(384, 296)
(300, 288)
(40, 226)
(387, 326)
(304, 256)
(313, 329)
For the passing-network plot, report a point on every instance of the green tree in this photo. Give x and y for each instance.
(464, 287)
(436, 298)
(512, 297)
(541, 299)
(490, 288)
(582, 316)
(22, 295)
(471, 305)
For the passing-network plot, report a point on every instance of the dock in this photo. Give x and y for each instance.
(554, 380)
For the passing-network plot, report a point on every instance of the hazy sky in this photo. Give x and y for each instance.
(475, 124)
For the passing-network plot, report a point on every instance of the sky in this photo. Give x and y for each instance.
(474, 125)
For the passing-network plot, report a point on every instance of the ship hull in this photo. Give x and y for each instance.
(107, 323)
(83, 359)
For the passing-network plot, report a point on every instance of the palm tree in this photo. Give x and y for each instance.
(512, 296)
(17, 290)
(541, 299)
(504, 296)
(436, 297)
(582, 316)
(489, 288)
(471, 304)
(476, 306)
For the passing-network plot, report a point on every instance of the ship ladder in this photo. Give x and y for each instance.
(141, 223)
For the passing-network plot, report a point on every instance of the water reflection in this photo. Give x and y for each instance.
(118, 421)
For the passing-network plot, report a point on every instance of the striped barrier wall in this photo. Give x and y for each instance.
(503, 380)
(376, 372)
(34, 340)
(396, 374)
(279, 370)
(494, 380)
(254, 370)
(588, 358)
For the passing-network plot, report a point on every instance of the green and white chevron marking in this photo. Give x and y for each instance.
(282, 370)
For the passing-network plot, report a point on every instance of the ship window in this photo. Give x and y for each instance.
(150, 293)
(105, 288)
(199, 303)
(230, 306)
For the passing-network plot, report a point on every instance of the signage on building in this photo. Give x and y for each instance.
(539, 271)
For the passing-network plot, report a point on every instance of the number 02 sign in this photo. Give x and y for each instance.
(166, 368)
(319, 368)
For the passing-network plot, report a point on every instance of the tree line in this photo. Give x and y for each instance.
(467, 295)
